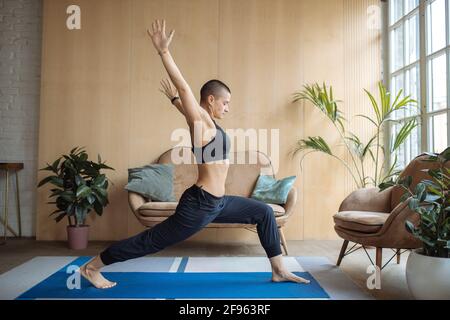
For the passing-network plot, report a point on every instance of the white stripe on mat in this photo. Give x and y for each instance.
(142, 264)
(238, 264)
(22, 278)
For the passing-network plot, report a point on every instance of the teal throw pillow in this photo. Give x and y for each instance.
(154, 181)
(271, 190)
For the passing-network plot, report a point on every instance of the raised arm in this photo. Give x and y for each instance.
(161, 43)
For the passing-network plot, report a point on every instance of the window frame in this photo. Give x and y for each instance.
(424, 115)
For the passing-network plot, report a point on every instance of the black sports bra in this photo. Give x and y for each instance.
(216, 149)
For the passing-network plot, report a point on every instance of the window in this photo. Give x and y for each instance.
(419, 54)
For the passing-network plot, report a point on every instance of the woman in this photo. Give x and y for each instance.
(204, 201)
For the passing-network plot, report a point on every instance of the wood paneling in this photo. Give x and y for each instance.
(100, 90)
(85, 101)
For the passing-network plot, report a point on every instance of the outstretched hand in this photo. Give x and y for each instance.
(169, 90)
(158, 35)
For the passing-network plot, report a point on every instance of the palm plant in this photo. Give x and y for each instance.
(359, 151)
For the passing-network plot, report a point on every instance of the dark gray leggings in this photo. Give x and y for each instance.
(195, 210)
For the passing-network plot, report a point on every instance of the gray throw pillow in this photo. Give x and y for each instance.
(154, 181)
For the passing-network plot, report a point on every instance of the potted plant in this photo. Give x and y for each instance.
(79, 188)
(428, 268)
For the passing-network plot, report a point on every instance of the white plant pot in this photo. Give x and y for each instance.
(428, 277)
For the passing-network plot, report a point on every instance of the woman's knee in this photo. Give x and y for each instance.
(267, 212)
(269, 209)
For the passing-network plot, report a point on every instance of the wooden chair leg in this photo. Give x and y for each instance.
(398, 256)
(379, 257)
(5, 218)
(283, 241)
(19, 219)
(341, 254)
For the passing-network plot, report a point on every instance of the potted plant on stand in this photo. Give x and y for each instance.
(79, 188)
(428, 268)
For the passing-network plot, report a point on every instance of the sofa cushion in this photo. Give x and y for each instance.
(277, 209)
(154, 181)
(166, 209)
(270, 190)
(361, 221)
(158, 209)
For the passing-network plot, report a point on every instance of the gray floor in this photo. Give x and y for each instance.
(393, 281)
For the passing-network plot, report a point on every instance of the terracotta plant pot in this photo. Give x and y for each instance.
(78, 237)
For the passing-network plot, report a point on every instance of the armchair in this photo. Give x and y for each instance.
(371, 218)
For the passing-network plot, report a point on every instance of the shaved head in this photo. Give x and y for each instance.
(213, 87)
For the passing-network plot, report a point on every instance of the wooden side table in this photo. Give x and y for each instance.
(7, 166)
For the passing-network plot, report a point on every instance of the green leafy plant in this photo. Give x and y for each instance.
(360, 151)
(431, 201)
(80, 187)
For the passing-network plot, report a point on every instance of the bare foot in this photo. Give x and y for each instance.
(95, 277)
(283, 276)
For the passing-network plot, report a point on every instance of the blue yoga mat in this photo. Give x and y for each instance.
(176, 285)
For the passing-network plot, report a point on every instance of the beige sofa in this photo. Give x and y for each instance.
(241, 180)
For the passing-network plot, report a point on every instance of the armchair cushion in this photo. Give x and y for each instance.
(361, 221)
